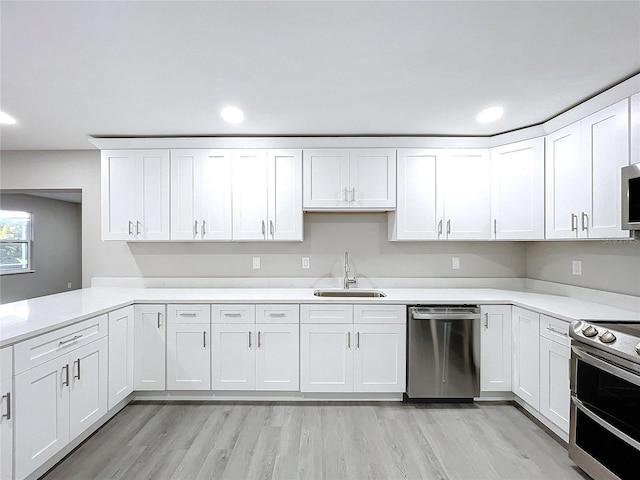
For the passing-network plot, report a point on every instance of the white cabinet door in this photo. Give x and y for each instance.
(555, 393)
(6, 412)
(566, 182)
(121, 338)
(495, 348)
(372, 178)
(326, 179)
(135, 195)
(526, 356)
(201, 194)
(233, 359)
(42, 420)
(605, 138)
(188, 356)
(326, 358)
(277, 357)
(149, 341)
(417, 211)
(379, 358)
(635, 128)
(517, 191)
(464, 183)
(88, 367)
(250, 194)
(285, 195)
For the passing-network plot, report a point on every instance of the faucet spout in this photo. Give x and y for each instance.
(348, 281)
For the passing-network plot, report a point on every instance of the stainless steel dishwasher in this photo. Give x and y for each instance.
(443, 361)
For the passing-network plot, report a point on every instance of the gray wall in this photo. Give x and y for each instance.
(57, 248)
(608, 266)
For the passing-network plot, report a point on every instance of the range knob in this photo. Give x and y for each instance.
(607, 337)
(589, 331)
(638, 349)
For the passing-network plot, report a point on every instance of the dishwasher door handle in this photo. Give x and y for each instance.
(445, 316)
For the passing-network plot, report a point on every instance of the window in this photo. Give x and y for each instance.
(15, 242)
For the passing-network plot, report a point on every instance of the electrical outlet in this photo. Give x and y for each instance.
(69, 285)
(455, 263)
(256, 263)
(305, 263)
(576, 267)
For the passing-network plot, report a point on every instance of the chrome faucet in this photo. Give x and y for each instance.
(348, 281)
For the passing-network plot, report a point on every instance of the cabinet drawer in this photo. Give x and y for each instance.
(326, 313)
(233, 313)
(6, 363)
(186, 313)
(39, 350)
(555, 329)
(277, 314)
(380, 314)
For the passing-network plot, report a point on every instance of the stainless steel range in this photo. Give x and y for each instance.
(604, 437)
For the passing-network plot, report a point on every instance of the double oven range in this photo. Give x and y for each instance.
(604, 437)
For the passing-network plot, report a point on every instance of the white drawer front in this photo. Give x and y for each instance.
(188, 313)
(380, 314)
(6, 363)
(233, 313)
(277, 314)
(326, 313)
(555, 329)
(39, 350)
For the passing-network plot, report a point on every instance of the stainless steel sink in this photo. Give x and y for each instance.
(350, 293)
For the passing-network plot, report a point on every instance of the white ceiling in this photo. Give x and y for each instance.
(74, 69)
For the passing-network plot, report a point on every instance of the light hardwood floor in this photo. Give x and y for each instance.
(318, 441)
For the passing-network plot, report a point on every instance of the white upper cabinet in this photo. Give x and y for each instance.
(464, 183)
(267, 195)
(135, 195)
(583, 163)
(341, 179)
(517, 191)
(635, 128)
(201, 194)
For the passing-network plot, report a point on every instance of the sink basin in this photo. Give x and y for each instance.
(350, 293)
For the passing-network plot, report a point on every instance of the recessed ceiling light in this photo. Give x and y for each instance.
(232, 115)
(490, 114)
(6, 119)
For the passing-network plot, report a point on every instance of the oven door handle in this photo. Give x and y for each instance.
(606, 366)
(606, 425)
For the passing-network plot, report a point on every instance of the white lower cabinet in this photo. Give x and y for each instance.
(255, 348)
(149, 340)
(353, 357)
(555, 359)
(526, 360)
(6, 412)
(59, 399)
(121, 333)
(495, 348)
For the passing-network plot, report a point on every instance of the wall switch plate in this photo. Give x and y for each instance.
(455, 263)
(256, 263)
(576, 267)
(305, 263)
(69, 285)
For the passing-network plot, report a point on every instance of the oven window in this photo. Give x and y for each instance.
(634, 200)
(615, 454)
(615, 400)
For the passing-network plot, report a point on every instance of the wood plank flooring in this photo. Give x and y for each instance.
(333, 441)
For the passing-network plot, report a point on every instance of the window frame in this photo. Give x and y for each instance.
(29, 245)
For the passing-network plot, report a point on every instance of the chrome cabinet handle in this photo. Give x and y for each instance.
(353, 194)
(264, 229)
(204, 225)
(271, 229)
(277, 314)
(358, 340)
(495, 227)
(64, 342)
(138, 227)
(74, 364)
(553, 330)
(348, 340)
(249, 339)
(259, 344)
(130, 227)
(159, 324)
(204, 339)
(585, 225)
(196, 226)
(344, 195)
(192, 314)
(232, 314)
(486, 321)
(66, 381)
(574, 225)
(439, 228)
(8, 414)
(448, 227)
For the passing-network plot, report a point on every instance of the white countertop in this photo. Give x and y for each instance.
(28, 318)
